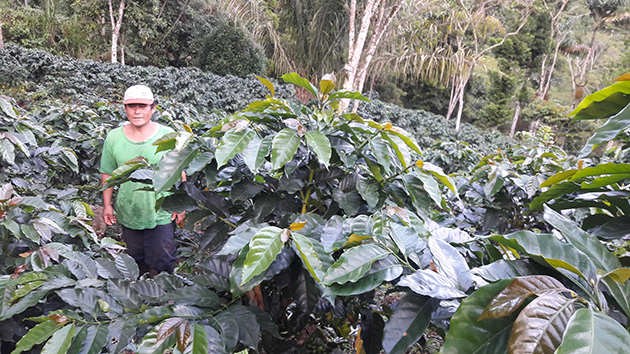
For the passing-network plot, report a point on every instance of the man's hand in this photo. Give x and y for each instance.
(178, 217)
(108, 214)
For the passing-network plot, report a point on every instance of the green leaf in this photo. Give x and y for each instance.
(353, 95)
(231, 144)
(248, 327)
(559, 177)
(592, 332)
(596, 252)
(431, 186)
(227, 324)
(539, 327)
(369, 192)
(554, 191)
(150, 344)
(410, 319)
(268, 84)
(95, 340)
(468, 335)
(429, 283)
(296, 79)
(321, 145)
(380, 149)
(405, 238)
(306, 252)
(607, 132)
(263, 249)
(199, 162)
(403, 157)
(405, 136)
(284, 146)
(503, 269)
(60, 341)
(603, 103)
(440, 175)
(450, 263)
(37, 335)
(386, 269)
(255, 153)
(169, 169)
(127, 266)
(353, 264)
(125, 294)
(350, 202)
(602, 169)
(515, 294)
(7, 150)
(620, 275)
(7, 108)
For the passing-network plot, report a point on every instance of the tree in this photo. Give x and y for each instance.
(377, 16)
(1, 39)
(116, 27)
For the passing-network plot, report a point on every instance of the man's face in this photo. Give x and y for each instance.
(139, 114)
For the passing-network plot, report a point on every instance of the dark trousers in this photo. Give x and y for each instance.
(153, 249)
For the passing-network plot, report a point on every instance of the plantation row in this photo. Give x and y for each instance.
(298, 217)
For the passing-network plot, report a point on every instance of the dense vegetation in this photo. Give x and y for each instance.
(307, 230)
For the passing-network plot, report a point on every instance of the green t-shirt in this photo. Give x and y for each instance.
(134, 209)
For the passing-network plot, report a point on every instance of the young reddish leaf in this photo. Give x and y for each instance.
(184, 333)
(513, 296)
(169, 327)
(540, 326)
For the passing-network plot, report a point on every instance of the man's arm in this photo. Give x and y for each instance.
(179, 217)
(108, 210)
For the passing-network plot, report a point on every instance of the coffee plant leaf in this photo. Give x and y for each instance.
(231, 144)
(589, 332)
(36, 335)
(283, 147)
(353, 264)
(263, 249)
(169, 169)
(321, 145)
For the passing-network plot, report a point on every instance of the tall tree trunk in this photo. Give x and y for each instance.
(517, 111)
(116, 27)
(355, 51)
(1, 39)
(543, 94)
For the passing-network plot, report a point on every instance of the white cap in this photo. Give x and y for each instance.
(138, 94)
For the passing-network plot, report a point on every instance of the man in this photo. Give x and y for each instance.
(149, 234)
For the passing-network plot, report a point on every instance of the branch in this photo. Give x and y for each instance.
(174, 23)
(505, 37)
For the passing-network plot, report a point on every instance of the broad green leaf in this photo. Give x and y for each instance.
(515, 294)
(410, 319)
(125, 294)
(450, 263)
(60, 341)
(350, 202)
(431, 186)
(12, 226)
(95, 340)
(321, 145)
(380, 149)
(268, 84)
(128, 167)
(199, 162)
(227, 324)
(371, 335)
(231, 144)
(248, 327)
(7, 150)
(306, 252)
(554, 191)
(503, 269)
(255, 153)
(559, 177)
(284, 146)
(406, 137)
(592, 332)
(601, 257)
(295, 78)
(607, 132)
(405, 238)
(169, 169)
(429, 283)
(263, 249)
(386, 269)
(402, 154)
(549, 248)
(353, 264)
(7, 108)
(369, 192)
(353, 95)
(127, 266)
(245, 190)
(440, 175)
(610, 168)
(603, 103)
(540, 325)
(37, 335)
(468, 335)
